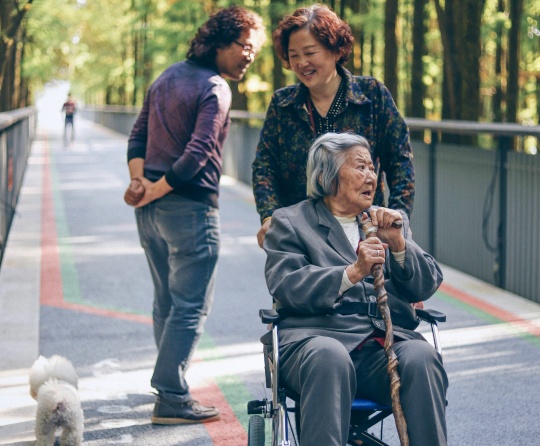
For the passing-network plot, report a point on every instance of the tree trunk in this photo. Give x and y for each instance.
(460, 25)
(358, 62)
(277, 9)
(18, 51)
(372, 56)
(6, 103)
(514, 47)
(391, 47)
(146, 57)
(11, 24)
(361, 49)
(239, 98)
(538, 100)
(470, 17)
(5, 44)
(135, 40)
(418, 89)
(108, 95)
(497, 102)
(449, 88)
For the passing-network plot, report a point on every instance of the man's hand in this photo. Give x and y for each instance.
(153, 190)
(134, 192)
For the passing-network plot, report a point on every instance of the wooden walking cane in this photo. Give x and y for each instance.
(382, 303)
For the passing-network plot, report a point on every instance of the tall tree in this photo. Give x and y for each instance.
(460, 24)
(142, 73)
(239, 98)
(514, 59)
(277, 9)
(12, 14)
(498, 68)
(372, 53)
(418, 89)
(391, 47)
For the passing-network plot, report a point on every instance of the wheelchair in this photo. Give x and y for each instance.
(364, 413)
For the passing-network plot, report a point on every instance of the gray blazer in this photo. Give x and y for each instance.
(307, 252)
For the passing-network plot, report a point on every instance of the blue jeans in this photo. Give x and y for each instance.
(181, 240)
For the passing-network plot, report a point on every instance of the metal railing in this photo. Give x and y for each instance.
(479, 206)
(476, 209)
(17, 130)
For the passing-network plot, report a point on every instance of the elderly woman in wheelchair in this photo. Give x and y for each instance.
(318, 271)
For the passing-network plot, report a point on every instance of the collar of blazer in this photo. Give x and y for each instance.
(335, 236)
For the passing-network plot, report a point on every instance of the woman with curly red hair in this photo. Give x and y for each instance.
(315, 43)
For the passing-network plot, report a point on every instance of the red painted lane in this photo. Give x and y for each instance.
(82, 308)
(228, 429)
(51, 291)
(492, 310)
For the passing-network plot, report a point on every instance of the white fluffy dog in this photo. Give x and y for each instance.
(53, 384)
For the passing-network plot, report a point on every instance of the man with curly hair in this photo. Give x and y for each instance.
(175, 163)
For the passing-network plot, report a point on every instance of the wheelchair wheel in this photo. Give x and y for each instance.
(256, 431)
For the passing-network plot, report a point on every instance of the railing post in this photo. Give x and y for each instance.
(432, 191)
(505, 144)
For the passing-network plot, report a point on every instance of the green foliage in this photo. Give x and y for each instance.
(111, 51)
(49, 35)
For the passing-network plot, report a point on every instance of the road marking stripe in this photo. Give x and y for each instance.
(492, 310)
(51, 292)
(97, 311)
(228, 430)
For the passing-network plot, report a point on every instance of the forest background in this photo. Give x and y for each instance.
(475, 60)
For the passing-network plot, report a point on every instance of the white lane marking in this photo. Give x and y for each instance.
(114, 409)
(124, 439)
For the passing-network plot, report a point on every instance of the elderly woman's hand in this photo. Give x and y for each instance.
(262, 232)
(383, 218)
(370, 252)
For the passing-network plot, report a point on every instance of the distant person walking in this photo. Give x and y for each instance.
(175, 164)
(69, 108)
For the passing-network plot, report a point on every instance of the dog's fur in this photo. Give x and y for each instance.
(53, 384)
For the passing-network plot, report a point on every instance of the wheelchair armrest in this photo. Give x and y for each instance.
(269, 316)
(430, 315)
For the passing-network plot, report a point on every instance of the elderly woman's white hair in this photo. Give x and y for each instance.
(326, 156)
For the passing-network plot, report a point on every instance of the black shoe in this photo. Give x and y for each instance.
(168, 411)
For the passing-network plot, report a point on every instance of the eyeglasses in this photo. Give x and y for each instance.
(247, 49)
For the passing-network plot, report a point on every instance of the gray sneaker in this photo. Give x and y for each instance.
(168, 411)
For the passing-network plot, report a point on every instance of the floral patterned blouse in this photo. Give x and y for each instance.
(279, 169)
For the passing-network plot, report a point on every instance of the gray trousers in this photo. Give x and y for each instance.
(327, 377)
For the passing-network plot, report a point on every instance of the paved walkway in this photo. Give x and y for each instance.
(74, 281)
